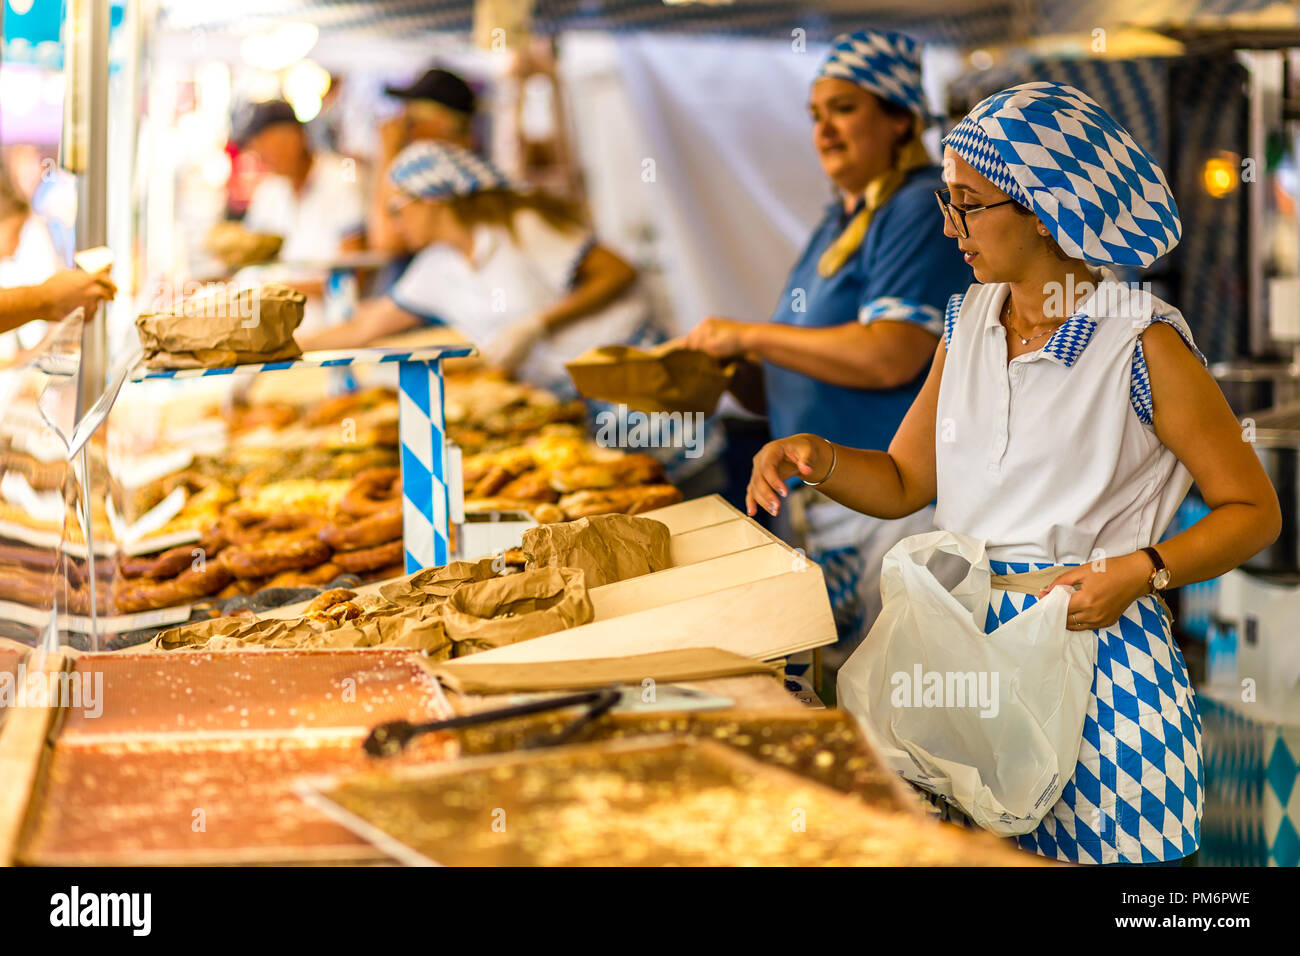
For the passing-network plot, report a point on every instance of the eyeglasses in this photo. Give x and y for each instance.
(956, 215)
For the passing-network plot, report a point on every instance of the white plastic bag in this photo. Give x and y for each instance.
(991, 722)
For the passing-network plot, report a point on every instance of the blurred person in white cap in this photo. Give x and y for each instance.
(439, 106)
(513, 270)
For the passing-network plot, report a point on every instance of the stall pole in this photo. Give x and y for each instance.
(422, 429)
(84, 149)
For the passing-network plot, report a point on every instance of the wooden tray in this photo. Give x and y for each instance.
(648, 801)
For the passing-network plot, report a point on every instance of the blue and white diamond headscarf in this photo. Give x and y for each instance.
(886, 64)
(433, 170)
(1054, 150)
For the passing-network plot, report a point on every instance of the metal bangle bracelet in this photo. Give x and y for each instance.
(829, 472)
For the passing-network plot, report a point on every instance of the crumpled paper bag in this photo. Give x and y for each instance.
(667, 378)
(224, 328)
(606, 548)
(506, 610)
(237, 246)
(417, 628)
(436, 584)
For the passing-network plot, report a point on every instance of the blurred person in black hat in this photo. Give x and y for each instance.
(438, 106)
(313, 199)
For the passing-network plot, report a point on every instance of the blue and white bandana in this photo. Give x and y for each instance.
(886, 64)
(433, 170)
(1054, 150)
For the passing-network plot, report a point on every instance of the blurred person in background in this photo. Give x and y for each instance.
(27, 252)
(314, 200)
(38, 289)
(855, 331)
(516, 272)
(51, 192)
(439, 106)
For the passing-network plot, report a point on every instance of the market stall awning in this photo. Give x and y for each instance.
(953, 21)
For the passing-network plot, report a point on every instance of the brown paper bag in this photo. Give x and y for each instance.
(417, 628)
(237, 246)
(606, 548)
(667, 378)
(506, 610)
(436, 584)
(224, 328)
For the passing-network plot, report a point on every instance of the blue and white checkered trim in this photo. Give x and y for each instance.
(1137, 792)
(1070, 339)
(1139, 393)
(842, 569)
(886, 64)
(327, 359)
(895, 309)
(1101, 195)
(950, 314)
(431, 170)
(969, 142)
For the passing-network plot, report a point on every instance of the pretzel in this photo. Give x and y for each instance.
(629, 501)
(497, 477)
(388, 571)
(309, 578)
(370, 559)
(547, 513)
(327, 599)
(24, 586)
(146, 594)
(533, 485)
(366, 532)
(244, 528)
(238, 588)
(273, 554)
(375, 490)
(635, 469)
(173, 561)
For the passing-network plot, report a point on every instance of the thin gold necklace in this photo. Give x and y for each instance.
(1006, 318)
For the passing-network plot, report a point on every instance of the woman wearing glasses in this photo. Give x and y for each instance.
(514, 271)
(854, 332)
(1064, 419)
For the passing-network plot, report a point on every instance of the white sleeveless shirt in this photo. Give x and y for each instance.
(1052, 457)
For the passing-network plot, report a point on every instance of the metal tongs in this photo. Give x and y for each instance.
(390, 739)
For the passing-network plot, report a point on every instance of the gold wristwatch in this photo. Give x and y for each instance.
(1160, 574)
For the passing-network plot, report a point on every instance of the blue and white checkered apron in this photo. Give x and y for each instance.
(1137, 793)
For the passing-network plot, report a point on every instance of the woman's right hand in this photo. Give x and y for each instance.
(804, 456)
(721, 338)
(70, 289)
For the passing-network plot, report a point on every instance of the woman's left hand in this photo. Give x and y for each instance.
(1104, 590)
(721, 338)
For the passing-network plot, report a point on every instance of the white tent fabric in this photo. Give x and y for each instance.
(734, 184)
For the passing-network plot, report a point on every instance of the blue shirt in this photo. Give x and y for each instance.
(905, 270)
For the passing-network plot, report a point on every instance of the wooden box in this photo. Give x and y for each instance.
(732, 585)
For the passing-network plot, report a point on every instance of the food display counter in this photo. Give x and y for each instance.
(237, 731)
